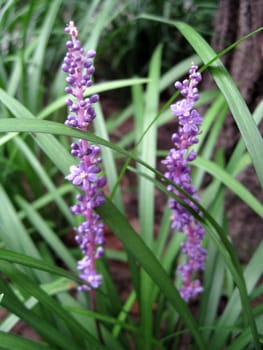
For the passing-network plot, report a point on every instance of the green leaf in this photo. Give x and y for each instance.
(39, 56)
(95, 89)
(14, 234)
(108, 159)
(235, 186)
(147, 151)
(46, 141)
(12, 341)
(78, 333)
(18, 258)
(234, 309)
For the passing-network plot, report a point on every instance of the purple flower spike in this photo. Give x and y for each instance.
(87, 174)
(179, 172)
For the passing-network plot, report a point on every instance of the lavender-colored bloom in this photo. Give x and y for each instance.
(85, 175)
(179, 172)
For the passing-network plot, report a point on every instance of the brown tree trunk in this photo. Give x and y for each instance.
(234, 19)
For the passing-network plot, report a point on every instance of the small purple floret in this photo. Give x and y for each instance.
(179, 172)
(86, 175)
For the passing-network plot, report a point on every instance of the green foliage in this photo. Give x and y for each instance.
(131, 42)
(38, 277)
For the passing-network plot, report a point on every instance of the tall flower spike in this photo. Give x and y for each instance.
(179, 172)
(87, 174)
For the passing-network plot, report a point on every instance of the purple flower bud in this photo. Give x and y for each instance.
(70, 80)
(65, 67)
(69, 44)
(99, 253)
(94, 98)
(74, 107)
(91, 53)
(82, 83)
(91, 70)
(68, 90)
(71, 71)
(68, 102)
(87, 63)
(82, 103)
(191, 156)
(178, 85)
(73, 64)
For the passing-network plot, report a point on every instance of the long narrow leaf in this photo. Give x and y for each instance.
(12, 341)
(14, 234)
(39, 56)
(235, 186)
(22, 259)
(147, 151)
